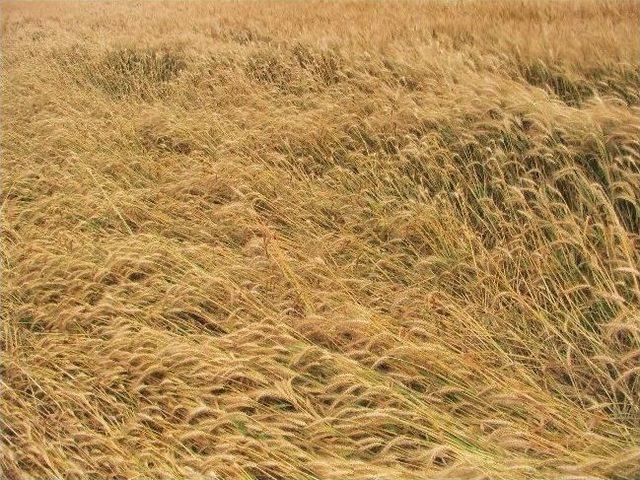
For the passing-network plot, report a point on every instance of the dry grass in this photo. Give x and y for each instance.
(335, 240)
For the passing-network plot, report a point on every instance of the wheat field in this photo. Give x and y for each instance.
(321, 240)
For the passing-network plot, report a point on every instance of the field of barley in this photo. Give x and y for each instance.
(324, 240)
